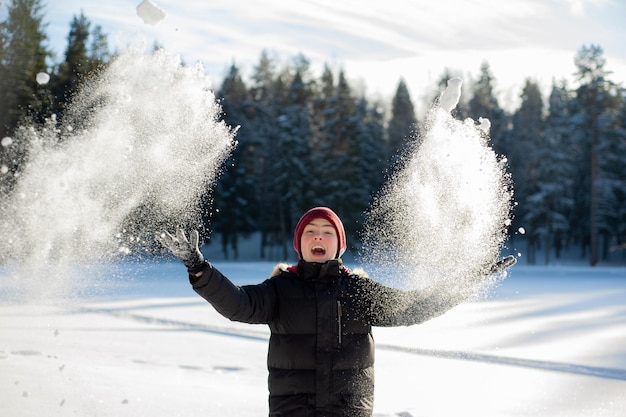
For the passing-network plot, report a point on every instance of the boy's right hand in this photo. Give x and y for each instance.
(503, 264)
(184, 249)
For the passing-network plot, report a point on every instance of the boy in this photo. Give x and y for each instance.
(321, 350)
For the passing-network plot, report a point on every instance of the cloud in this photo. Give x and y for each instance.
(375, 42)
(579, 7)
(347, 29)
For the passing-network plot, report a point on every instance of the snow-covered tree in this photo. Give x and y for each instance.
(526, 152)
(611, 176)
(291, 167)
(335, 147)
(595, 100)
(233, 203)
(619, 171)
(263, 112)
(550, 204)
(370, 163)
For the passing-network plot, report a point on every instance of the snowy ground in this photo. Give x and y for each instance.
(550, 341)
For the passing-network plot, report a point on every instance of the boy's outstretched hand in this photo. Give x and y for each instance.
(503, 264)
(184, 249)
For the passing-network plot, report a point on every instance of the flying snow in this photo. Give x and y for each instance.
(484, 124)
(150, 12)
(451, 95)
(138, 148)
(444, 214)
(42, 78)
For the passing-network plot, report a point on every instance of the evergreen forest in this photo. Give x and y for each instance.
(307, 140)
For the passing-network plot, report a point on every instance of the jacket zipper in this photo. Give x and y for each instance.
(339, 314)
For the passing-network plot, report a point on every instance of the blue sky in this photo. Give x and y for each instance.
(375, 42)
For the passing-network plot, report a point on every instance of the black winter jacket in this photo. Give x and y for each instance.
(321, 350)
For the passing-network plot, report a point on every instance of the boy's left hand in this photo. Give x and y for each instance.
(184, 249)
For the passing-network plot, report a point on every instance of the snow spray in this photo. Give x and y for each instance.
(444, 215)
(138, 147)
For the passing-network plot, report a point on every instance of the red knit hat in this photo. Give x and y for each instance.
(320, 213)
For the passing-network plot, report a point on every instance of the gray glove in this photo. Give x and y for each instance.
(503, 264)
(184, 249)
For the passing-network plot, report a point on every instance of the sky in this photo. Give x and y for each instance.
(375, 43)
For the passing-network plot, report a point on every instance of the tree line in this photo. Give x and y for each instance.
(306, 140)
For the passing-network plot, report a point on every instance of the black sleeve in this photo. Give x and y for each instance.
(393, 307)
(248, 303)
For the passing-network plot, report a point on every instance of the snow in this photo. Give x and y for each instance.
(549, 341)
(484, 124)
(452, 94)
(42, 78)
(150, 13)
(452, 192)
(124, 146)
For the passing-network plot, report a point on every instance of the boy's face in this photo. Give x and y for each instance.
(319, 241)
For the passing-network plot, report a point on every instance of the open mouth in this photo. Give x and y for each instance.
(318, 250)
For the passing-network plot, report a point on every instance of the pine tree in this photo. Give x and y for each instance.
(370, 163)
(484, 103)
(611, 175)
(348, 186)
(374, 146)
(233, 202)
(262, 117)
(82, 59)
(22, 100)
(291, 163)
(558, 170)
(526, 154)
(619, 173)
(320, 102)
(334, 147)
(593, 103)
(99, 53)
(402, 126)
